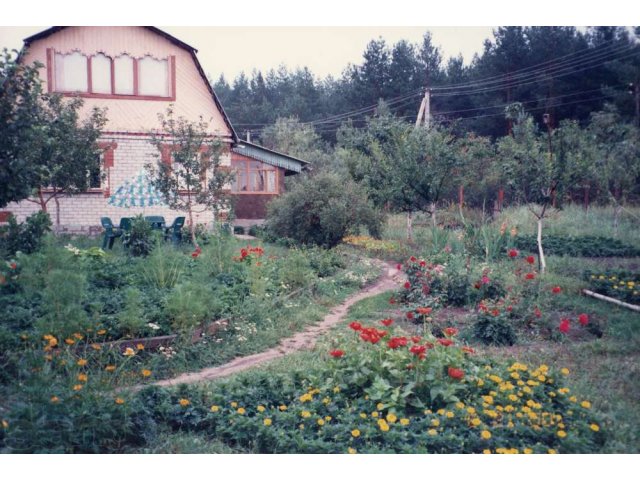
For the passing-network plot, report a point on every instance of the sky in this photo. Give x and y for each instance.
(325, 50)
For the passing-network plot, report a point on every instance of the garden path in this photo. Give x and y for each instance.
(306, 339)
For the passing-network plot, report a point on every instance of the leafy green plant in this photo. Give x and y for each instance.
(583, 246)
(64, 295)
(163, 268)
(24, 237)
(131, 319)
(494, 326)
(188, 305)
(139, 240)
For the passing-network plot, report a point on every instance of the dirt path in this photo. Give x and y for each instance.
(306, 339)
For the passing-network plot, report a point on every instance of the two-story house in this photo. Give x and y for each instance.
(136, 73)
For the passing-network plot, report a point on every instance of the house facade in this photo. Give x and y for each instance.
(135, 73)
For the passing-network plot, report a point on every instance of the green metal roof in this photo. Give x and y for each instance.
(270, 157)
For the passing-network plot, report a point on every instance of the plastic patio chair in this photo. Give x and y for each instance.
(110, 233)
(125, 228)
(157, 222)
(175, 231)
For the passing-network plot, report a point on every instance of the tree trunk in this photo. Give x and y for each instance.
(43, 204)
(542, 263)
(57, 211)
(192, 227)
(410, 226)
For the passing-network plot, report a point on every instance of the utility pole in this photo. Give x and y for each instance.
(424, 114)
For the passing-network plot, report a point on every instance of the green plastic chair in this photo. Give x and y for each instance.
(157, 222)
(125, 227)
(110, 233)
(175, 231)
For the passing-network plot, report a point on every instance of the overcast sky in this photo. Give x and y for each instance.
(325, 50)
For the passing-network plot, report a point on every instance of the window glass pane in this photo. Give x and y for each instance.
(153, 77)
(71, 72)
(124, 75)
(271, 182)
(100, 74)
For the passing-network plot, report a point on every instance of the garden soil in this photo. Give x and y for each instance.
(388, 281)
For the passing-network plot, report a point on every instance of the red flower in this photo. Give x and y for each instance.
(195, 254)
(407, 285)
(450, 331)
(399, 267)
(410, 315)
(199, 250)
(416, 339)
(418, 349)
(484, 280)
(396, 342)
(583, 318)
(455, 373)
(530, 276)
(392, 301)
(468, 350)
(381, 333)
(424, 310)
(495, 312)
(564, 325)
(509, 308)
(355, 326)
(336, 353)
(412, 259)
(530, 260)
(426, 289)
(386, 322)
(537, 312)
(13, 265)
(445, 342)
(513, 253)
(423, 263)
(556, 289)
(243, 253)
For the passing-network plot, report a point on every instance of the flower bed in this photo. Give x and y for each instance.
(584, 246)
(618, 284)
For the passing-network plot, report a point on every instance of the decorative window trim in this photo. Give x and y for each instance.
(51, 87)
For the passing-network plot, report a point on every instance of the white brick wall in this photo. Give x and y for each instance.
(82, 212)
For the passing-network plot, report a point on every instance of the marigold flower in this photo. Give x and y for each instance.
(241, 411)
(234, 404)
(485, 434)
(129, 352)
(101, 332)
(140, 346)
(432, 431)
(82, 362)
(336, 353)
(594, 427)
(352, 451)
(82, 377)
(475, 422)
(184, 402)
(214, 408)
(95, 346)
(110, 368)
(69, 341)
(55, 399)
(586, 404)
(282, 408)
(384, 426)
(391, 418)
(583, 318)
(146, 373)
(305, 414)
(260, 408)
(562, 433)
(119, 401)
(77, 388)
(405, 421)
(267, 422)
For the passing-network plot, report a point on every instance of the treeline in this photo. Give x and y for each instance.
(560, 71)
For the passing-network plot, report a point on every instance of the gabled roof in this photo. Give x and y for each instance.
(270, 157)
(50, 31)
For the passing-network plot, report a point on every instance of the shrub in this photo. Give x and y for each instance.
(321, 210)
(583, 246)
(140, 239)
(188, 305)
(64, 296)
(493, 326)
(163, 268)
(131, 319)
(24, 237)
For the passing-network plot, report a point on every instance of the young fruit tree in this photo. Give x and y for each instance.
(188, 170)
(533, 168)
(47, 149)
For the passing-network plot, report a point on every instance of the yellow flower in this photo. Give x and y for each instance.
(459, 405)
(435, 422)
(486, 434)
(355, 433)
(586, 404)
(260, 408)
(432, 431)
(77, 387)
(320, 422)
(594, 427)
(110, 368)
(78, 336)
(234, 404)
(282, 408)
(336, 390)
(404, 421)
(69, 341)
(101, 332)
(140, 346)
(5, 424)
(513, 398)
(573, 399)
(82, 377)
(301, 426)
(307, 397)
(562, 433)
(551, 451)
(450, 414)
(241, 411)
(95, 346)
(475, 422)
(486, 451)
(119, 401)
(374, 414)
(267, 422)
(352, 450)
(82, 362)
(471, 410)
(184, 402)
(305, 414)
(564, 371)
(129, 352)
(146, 373)
(363, 415)
(55, 399)
(328, 418)
(384, 426)
(391, 418)
(380, 406)
(326, 400)
(215, 408)
(488, 399)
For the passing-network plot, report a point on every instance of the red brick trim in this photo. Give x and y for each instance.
(4, 216)
(172, 72)
(50, 67)
(89, 75)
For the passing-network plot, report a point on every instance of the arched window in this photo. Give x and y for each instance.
(124, 66)
(100, 74)
(71, 72)
(153, 77)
